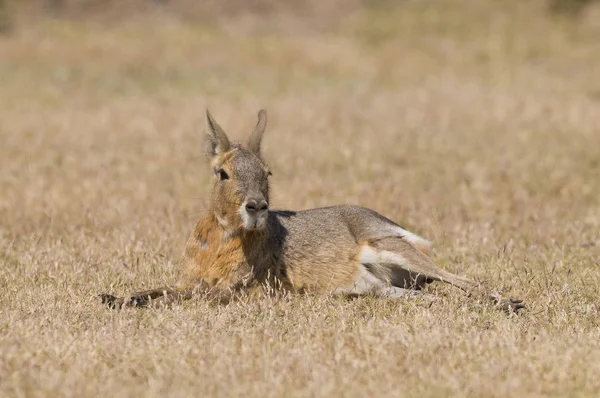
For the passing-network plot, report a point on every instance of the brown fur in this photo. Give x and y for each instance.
(241, 246)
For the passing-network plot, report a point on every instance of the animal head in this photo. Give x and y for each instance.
(240, 194)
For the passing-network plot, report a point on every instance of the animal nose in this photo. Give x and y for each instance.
(253, 205)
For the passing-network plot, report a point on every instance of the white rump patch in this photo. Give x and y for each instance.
(364, 284)
(367, 283)
(368, 255)
(421, 244)
(388, 257)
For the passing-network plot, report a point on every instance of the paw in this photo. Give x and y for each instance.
(508, 305)
(110, 301)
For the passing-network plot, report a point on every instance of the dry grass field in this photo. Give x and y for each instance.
(475, 124)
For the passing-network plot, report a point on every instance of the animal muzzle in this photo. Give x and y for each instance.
(254, 213)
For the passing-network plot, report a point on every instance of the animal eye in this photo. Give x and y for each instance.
(222, 174)
(269, 174)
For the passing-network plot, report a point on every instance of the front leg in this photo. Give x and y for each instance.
(168, 295)
(148, 298)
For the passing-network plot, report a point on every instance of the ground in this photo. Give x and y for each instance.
(474, 124)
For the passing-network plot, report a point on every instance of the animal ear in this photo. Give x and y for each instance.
(216, 139)
(255, 139)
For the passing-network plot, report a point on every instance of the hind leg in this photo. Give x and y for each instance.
(406, 264)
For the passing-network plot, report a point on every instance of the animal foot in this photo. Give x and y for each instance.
(111, 301)
(139, 299)
(508, 305)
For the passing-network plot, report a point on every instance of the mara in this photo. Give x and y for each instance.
(241, 246)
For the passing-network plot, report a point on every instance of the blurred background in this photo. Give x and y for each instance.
(308, 14)
(501, 91)
(454, 107)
